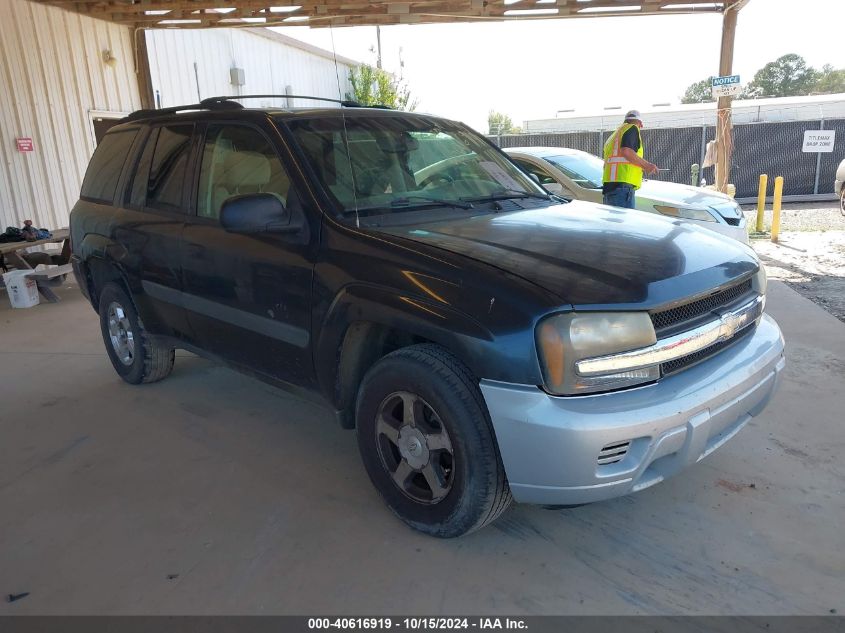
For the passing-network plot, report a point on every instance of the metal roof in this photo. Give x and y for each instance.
(322, 13)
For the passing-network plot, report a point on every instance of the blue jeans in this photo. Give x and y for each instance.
(621, 196)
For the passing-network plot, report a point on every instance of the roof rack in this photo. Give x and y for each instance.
(212, 105)
(347, 103)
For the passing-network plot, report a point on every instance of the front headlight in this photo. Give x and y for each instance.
(685, 213)
(564, 339)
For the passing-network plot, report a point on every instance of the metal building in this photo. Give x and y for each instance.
(811, 108)
(66, 78)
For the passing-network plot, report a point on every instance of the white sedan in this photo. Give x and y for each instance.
(575, 174)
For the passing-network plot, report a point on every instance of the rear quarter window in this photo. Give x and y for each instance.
(101, 178)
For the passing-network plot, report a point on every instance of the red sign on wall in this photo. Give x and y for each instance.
(25, 144)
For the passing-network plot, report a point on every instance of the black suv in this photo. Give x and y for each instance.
(486, 340)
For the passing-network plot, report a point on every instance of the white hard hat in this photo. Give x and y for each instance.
(633, 115)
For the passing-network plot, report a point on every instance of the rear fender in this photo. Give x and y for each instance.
(108, 261)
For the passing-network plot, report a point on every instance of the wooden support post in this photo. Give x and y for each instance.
(724, 125)
(142, 70)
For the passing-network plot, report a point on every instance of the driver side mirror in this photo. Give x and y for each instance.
(256, 213)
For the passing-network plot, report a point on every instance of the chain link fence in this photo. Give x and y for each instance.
(759, 148)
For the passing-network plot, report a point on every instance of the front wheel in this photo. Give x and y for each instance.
(427, 443)
(842, 200)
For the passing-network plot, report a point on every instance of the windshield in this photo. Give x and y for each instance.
(396, 163)
(585, 169)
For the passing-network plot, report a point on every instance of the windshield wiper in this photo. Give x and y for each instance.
(508, 194)
(405, 203)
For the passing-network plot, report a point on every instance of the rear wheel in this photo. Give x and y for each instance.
(427, 442)
(136, 356)
(842, 200)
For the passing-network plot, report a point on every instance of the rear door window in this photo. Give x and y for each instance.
(137, 197)
(166, 184)
(103, 174)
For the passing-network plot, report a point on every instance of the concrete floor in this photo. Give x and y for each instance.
(211, 493)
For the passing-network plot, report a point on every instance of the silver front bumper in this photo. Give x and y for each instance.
(551, 446)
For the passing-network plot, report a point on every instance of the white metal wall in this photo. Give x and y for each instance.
(270, 61)
(746, 111)
(52, 76)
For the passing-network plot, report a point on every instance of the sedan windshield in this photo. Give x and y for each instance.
(585, 169)
(391, 164)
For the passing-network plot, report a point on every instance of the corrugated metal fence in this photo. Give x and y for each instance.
(759, 148)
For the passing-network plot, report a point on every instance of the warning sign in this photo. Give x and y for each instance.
(25, 144)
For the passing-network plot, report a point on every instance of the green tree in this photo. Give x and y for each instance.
(499, 123)
(374, 86)
(830, 80)
(699, 92)
(787, 76)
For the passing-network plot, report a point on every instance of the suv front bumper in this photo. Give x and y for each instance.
(551, 446)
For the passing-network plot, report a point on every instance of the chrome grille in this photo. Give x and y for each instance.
(678, 364)
(667, 319)
(613, 453)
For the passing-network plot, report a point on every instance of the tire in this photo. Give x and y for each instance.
(137, 357)
(842, 200)
(450, 442)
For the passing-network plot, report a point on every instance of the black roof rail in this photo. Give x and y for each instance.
(347, 103)
(216, 105)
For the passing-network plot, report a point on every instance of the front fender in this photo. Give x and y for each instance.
(506, 357)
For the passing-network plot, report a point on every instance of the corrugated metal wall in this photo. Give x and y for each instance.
(269, 63)
(51, 76)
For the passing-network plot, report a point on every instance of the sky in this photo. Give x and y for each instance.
(532, 69)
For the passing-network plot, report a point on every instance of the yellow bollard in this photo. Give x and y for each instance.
(761, 201)
(776, 208)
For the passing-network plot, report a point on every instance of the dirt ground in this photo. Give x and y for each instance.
(810, 253)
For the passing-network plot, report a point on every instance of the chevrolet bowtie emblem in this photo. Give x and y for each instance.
(732, 322)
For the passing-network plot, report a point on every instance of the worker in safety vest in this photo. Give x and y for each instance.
(624, 163)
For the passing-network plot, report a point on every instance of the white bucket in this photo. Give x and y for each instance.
(23, 291)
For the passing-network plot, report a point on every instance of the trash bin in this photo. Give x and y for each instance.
(23, 291)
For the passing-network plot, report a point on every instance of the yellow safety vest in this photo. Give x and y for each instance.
(616, 166)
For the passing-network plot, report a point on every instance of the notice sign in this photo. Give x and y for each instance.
(819, 140)
(25, 144)
(726, 86)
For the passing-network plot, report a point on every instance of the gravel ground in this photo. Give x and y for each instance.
(810, 253)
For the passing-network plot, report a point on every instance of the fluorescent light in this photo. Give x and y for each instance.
(531, 12)
(224, 10)
(157, 12)
(254, 20)
(288, 9)
(180, 22)
(507, 2)
(610, 9)
(296, 18)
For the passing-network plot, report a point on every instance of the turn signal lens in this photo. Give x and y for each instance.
(551, 349)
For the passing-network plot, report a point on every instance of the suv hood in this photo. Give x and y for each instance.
(595, 255)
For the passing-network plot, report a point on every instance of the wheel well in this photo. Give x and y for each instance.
(100, 273)
(363, 345)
